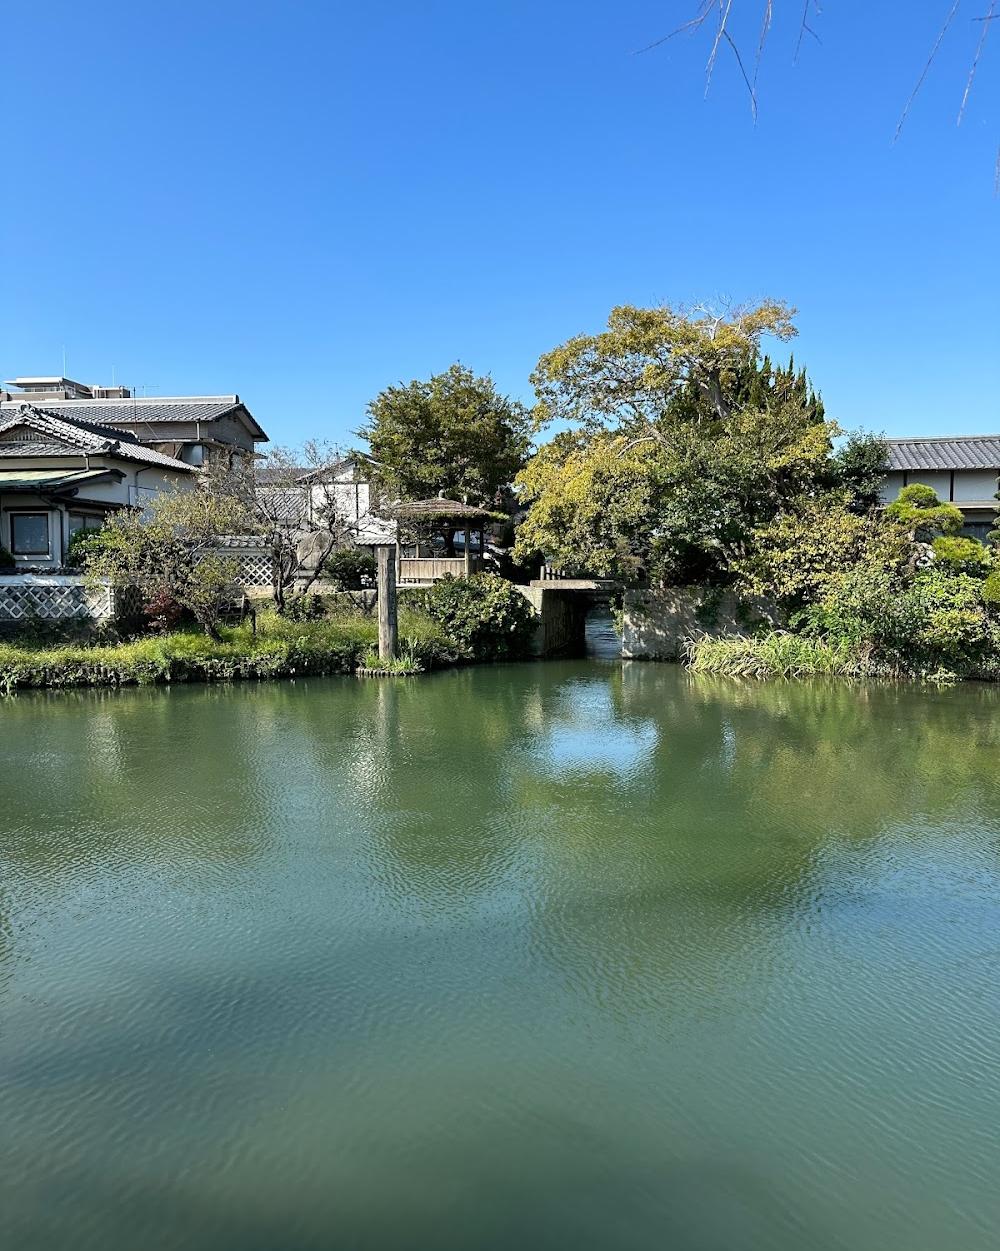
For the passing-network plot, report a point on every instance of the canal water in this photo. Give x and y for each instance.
(569, 955)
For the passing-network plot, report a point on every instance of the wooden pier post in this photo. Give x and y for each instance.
(388, 626)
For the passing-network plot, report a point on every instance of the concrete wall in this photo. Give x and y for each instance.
(657, 624)
(561, 619)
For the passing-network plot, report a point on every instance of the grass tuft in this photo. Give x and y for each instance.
(778, 655)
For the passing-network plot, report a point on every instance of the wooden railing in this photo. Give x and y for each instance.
(434, 568)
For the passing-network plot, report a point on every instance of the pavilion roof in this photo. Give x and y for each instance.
(438, 509)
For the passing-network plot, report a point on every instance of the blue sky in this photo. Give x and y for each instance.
(304, 202)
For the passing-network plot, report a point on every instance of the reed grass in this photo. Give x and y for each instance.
(778, 655)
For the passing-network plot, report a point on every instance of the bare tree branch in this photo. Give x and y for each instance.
(764, 31)
(805, 28)
(725, 8)
(930, 60)
(692, 25)
(987, 21)
(750, 85)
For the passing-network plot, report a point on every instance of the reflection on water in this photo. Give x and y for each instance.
(569, 954)
(603, 642)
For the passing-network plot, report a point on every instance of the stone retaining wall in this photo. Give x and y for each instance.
(658, 623)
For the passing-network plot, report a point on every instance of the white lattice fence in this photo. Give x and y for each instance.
(24, 598)
(254, 565)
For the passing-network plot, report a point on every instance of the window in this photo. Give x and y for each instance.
(29, 534)
(84, 521)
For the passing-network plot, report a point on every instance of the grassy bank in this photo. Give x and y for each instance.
(281, 648)
(779, 655)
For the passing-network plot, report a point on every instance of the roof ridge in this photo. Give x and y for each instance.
(943, 438)
(137, 399)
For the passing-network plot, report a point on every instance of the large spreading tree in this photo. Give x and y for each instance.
(683, 440)
(454, 433)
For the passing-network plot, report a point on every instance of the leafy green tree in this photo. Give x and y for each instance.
(454, 433)
(592, 497)
(795, 557)
(859, 467)
(170, 553)
(684, 442)
(350, 568)
(629, 376)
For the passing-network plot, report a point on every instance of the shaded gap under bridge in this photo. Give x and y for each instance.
(562, 605)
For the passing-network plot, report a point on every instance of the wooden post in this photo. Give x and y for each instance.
(388, 628)
(468, 550)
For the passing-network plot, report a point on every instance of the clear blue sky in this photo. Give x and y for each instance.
(305, 201)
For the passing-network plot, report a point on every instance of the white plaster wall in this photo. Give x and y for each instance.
(973, 484)
(891, 487)
(940, 482)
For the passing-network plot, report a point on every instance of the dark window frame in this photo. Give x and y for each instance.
(97, 518)
(31, 512)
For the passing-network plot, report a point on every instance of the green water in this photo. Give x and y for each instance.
(557, 956)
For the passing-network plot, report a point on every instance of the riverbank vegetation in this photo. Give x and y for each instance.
(464, 622)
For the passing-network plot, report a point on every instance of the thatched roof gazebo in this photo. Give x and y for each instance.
(440, 517)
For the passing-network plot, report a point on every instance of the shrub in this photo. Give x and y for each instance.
(990, 589)
(936, 621)
(162, 612)
(961, 555)
(75, 556)
(303, 608)
(918, 508)
(350, 568)
(486, 617)
(795, 556)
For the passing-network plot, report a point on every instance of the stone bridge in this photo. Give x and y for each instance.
(562, 606)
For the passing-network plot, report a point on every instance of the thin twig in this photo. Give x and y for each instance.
(924, 72)
(724, 8)
(693, 24)
(739, 62)
(987, 22)
(765, 28)
(803, 27)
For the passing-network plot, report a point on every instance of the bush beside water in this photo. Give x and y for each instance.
(939, 624)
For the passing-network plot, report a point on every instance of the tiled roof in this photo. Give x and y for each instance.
(961, 452)
(59, 437)
(286, 504)
(271, 475)
(282, 475)
(146, 409)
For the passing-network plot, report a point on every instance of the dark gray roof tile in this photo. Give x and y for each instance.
(147, 409)
(960, 452)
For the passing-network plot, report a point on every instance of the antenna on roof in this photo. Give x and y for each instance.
(64, 361)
